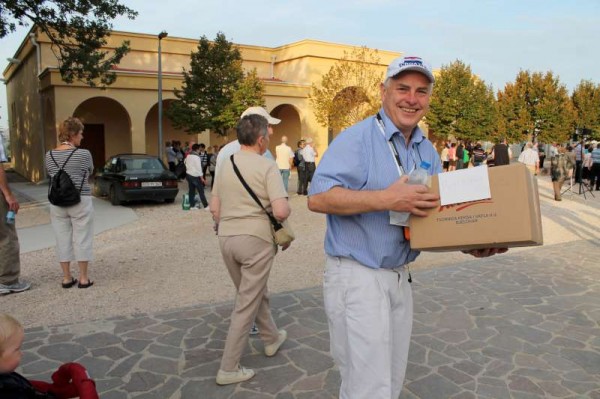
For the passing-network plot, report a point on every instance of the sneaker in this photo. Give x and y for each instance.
(19, 286)
(254, 330)
(207, 208)
(271, 350)
(194, 208)
(233, 377)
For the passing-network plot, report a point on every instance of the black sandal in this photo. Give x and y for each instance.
(89, 284)
(70, 283)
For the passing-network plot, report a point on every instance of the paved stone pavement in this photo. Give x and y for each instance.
(521, 325)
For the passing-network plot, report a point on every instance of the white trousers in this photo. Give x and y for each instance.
(370, 314)
(74, 230)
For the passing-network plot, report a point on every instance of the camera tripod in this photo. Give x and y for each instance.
(583, 187)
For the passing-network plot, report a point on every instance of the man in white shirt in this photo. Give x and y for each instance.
(530, 158)
(195, 177)
(285, 160)
(309, 154)
(234, 146)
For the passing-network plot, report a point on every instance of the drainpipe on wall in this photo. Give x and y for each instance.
(42, 113)
(273, 58)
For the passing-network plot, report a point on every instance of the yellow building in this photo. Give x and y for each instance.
(124, 117)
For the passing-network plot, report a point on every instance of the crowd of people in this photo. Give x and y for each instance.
(578, 164)
(463, 153)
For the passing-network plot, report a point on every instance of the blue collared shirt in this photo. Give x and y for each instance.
(360, 159)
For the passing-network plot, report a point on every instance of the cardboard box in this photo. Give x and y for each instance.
(511, 218)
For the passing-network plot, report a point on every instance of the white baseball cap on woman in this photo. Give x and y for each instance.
(262, 112)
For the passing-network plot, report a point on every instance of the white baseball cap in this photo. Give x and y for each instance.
(262, 112)
(402, 64)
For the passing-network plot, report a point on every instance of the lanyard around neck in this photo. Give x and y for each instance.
(393, 149)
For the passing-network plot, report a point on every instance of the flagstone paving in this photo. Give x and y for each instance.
(522, 325)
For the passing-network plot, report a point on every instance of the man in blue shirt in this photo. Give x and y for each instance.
(361, 178)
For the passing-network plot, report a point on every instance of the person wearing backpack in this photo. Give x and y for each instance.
(72, 215)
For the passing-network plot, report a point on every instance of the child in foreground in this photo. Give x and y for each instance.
(69, 381)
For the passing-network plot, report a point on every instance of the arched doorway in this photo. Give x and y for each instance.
(107, 128)
(290, 126)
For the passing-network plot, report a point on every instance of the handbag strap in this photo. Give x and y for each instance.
(274, 222)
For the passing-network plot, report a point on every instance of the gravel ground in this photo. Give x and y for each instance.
(169, 259)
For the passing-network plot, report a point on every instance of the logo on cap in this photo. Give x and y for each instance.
(411, 61)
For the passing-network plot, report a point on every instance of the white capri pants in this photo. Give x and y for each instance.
(370, 313)
(74, 230)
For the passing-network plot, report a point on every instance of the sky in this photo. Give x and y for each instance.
(496, 38)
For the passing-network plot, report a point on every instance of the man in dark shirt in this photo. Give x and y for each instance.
(501, 153)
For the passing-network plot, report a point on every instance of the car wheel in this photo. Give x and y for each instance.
(96, 190)
(112, 195)
(169, 200)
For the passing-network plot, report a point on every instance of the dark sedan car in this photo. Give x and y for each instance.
(130, 177)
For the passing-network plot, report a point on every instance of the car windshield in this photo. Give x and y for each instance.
(141, 164)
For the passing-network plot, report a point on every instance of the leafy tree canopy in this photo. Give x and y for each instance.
(586, 100)
(208, 87)
(349, 92)
(249, 93)
(461, 105)
(78, 30)
(537, 107)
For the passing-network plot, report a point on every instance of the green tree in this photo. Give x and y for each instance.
(208, 87)
(249, 93)
(461, 104)
(513, 121)
(349, 92)
(78, 30)
(537, 107)
(586, 100)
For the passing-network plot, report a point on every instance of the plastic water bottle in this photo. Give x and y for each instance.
(417, 176)
(420, 175)
(185, 203)
(10, 217)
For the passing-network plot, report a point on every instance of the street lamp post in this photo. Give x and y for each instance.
(161, 36)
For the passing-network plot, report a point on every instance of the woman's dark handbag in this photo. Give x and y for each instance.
(282, 232)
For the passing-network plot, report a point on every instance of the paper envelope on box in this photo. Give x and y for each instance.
(510, 218)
